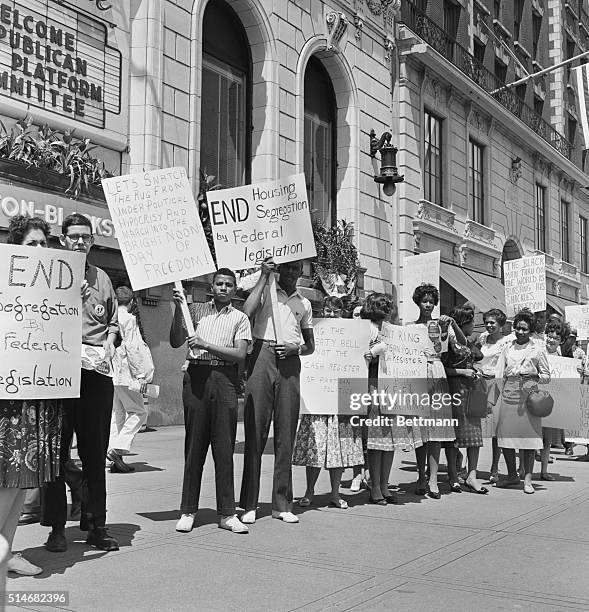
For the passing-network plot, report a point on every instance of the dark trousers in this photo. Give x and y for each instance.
(272, 389)
(210, 419)
(89, 417)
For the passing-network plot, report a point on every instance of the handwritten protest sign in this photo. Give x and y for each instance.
(418, 269)
(580, 433)
(40, 322)
(331, 374)
(578, 317)
(158, 227)
(525, 284)
(262, 220)
(565, 388)
(402, 372)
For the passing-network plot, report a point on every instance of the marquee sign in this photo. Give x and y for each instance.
(57, 59)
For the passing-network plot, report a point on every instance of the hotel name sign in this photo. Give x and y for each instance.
(58, 59)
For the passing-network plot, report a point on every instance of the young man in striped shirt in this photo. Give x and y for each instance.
(217, 348)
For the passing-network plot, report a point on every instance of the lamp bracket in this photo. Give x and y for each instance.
(377, 144)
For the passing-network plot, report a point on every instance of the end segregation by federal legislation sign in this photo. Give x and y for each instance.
(253, 222)
(40, 322)
(525, 284)
(158, 227)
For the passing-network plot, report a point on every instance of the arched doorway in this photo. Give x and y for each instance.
(320, 147)
(225, 147)
(510, 251)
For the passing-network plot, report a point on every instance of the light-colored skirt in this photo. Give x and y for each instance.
(327, 441)
(516, 427)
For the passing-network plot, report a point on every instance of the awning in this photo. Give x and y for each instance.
(484, 291)
(559, 303)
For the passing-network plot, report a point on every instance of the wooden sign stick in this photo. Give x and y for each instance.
(185, 311)
(275, 315)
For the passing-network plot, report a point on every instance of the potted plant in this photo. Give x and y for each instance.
(43, 158)
(337, 255)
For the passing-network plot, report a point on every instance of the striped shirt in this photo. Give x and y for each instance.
(221, 327)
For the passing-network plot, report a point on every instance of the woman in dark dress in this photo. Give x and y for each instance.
(29, 429)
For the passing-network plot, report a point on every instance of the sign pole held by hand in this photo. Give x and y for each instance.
(275, 315)
(185, 311)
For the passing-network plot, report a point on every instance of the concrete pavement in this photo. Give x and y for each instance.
(504, 551)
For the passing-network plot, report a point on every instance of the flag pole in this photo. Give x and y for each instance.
(533, 75)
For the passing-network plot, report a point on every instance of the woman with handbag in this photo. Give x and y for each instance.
(522, 365)
(465, 383)
(491, 343)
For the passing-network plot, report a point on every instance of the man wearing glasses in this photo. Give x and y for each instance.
(89, 416)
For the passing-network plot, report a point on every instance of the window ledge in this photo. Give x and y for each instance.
(519, 47)
(499, 26)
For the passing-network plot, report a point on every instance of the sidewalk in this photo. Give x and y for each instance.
(504, 551)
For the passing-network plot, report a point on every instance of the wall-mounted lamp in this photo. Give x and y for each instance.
(389, 175)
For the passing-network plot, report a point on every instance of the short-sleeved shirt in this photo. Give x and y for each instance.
(99, 308)
(295, 314)
(221, 327)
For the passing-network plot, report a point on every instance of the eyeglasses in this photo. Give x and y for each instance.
(86, 238)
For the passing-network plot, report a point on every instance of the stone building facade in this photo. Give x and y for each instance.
(252, 90)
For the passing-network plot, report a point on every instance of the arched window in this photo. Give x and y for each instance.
(320, 142)
(226, 97)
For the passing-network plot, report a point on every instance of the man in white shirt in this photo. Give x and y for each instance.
(129, 413)
(273, 387)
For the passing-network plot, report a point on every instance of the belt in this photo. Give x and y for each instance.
(211, 362)
(266, 342)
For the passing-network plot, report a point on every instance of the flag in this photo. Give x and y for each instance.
(582, 81)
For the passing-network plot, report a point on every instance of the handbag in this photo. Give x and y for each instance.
(478, 400)
(539, 403)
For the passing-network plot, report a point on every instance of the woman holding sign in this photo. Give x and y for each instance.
(522, 365)
(440, 331)
(327, 441)
(29, 429)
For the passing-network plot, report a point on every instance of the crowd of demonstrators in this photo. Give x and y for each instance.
(269, 338)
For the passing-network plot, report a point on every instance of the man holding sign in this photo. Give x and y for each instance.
(282, 332)
(90, 415)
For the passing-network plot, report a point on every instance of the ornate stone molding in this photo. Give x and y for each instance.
(432, 88)
(556, 286)
(428, 211)
(389, 47)
(374, 6)
(359, 23)
(337, 24)
(476, 231)
(568, 269)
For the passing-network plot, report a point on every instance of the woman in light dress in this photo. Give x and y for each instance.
(383, 440)
(327, 441)
(440, 331)
(491, 343)
(521, 366)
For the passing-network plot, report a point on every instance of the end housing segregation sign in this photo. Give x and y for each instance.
(525, 284)
(40, 322)
(157, 224)
(263, 220)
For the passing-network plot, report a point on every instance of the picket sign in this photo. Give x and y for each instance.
(185, 311)
(275, 314)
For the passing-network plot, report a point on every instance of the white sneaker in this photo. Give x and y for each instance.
(19, 565)
(186, 523)
(356, 481)
(232, 523)
(249, 517)
(287, 517)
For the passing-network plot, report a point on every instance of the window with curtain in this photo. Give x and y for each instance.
(540, 218)
(476, 176)
(564, 231)
(584, 245)
(320, 150)
(432, 174)
(226, 99)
